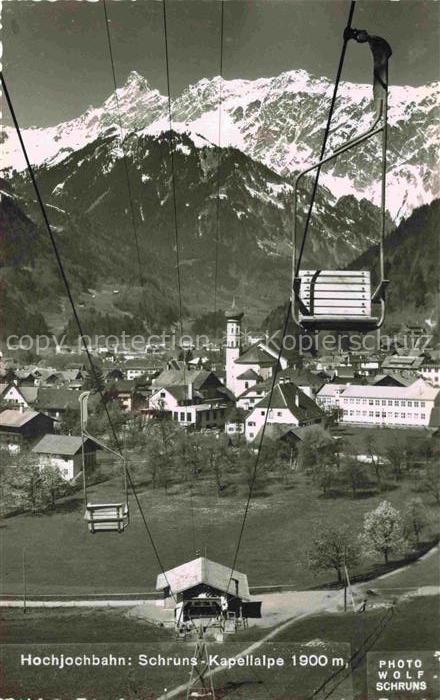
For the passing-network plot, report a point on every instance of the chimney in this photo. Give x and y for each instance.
(190, 391)
(296, 399)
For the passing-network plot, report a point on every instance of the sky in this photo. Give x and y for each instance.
(56, 61)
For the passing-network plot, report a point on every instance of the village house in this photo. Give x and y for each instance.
(390, 379)
(309, 382)
(402, 363)
(329, 396)
(55, 402)
(148, 367)
(38, 376)
(255, 393)
(288, 405)
(64, 453)
(194, 407)
(128, 396)
(112, 374)
(430, 371)
(16, 397)
(414, 406)
(235, 421)
(20, 428)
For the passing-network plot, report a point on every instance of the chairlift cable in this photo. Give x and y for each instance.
(283, 333)
(326, 133)
(219, 163)
(74, 310)
(124, 158)
(173, 174)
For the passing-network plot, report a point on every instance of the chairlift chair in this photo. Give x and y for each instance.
(103, 516)
(342, 299)
(106, 517)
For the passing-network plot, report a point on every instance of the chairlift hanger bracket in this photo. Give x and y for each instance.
(342, 300)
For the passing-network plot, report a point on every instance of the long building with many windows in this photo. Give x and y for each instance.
(417, 405)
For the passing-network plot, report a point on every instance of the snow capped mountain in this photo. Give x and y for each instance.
(277, 121)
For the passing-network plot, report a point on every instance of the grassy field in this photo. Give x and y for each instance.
(413, 627)
(63, 558)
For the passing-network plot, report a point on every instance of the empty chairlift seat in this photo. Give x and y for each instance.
(335, 300)
(106, 517)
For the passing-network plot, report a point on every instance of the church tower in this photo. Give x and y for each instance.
(233, 346)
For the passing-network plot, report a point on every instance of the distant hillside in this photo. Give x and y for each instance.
(412, 254)
(219, 192)
(412, 265)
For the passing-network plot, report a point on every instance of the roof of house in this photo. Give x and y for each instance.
(3, 388)
(60, 444)
(203, 570)
(399, 379)
(331, 389)
(256, 356)
(29, 393)
(70, 375)
(54, 399)
(405, 361)
(143, 363)
(11, 418)
(289, 396)
(419, 389)
(301, 377)
(260, 388)
(183, 376)
(249, 374)
(181, 392)
(278, 431)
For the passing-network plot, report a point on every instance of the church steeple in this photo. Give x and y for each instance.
(233, 344)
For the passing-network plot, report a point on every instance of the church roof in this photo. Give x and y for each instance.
(255, 356)
(249, 374)
(234, 311)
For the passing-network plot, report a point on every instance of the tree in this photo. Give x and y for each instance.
(70, 423)
(52, 483)
(324, 475)
(431, 481)
(214, 453)
(416, 519)
(355, 473)
(94, 379)
(371, 450)
(383, 531)
(332, 549)
(317, 445)
(162, 448)
(24, 487)
(396, 455)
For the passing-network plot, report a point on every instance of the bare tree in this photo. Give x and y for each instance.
(416, 519)
(333, 548)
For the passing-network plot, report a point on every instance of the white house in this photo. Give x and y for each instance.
(64, 452)
(189, 407)
(328, 397)
(13, 395)
(253, 395)
(288, 405)
(430, 371)
(413, 406)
